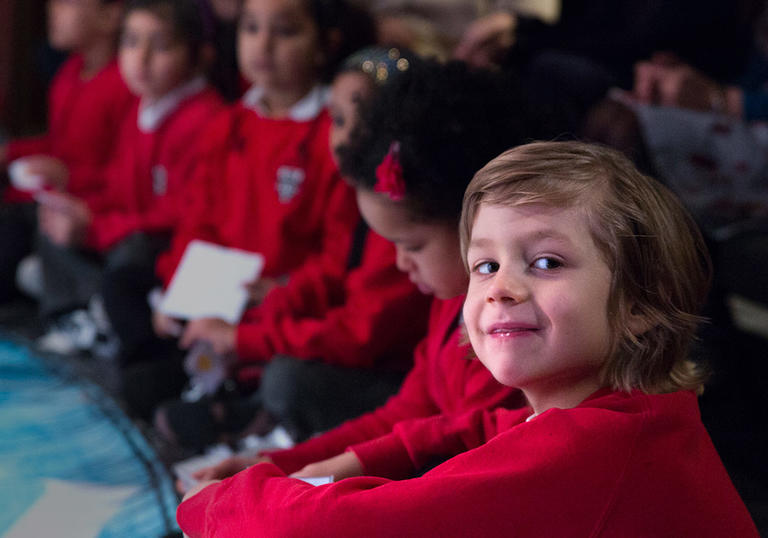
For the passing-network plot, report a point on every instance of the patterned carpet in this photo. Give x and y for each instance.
(71, 463)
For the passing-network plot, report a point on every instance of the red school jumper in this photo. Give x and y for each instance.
(373, 316)
(270, 186)
(444, 380)
(152, 164)
(83, 120)
(617, 465)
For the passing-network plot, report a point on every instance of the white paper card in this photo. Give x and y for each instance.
(209, 282)
(71, 510)
(317, 480)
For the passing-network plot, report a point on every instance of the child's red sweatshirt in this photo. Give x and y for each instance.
(154, 159)
(617, 465)
(269, 186)
(83, 119)
(444, 380)
(376, 316)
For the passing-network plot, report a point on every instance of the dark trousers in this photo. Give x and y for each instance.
(307, 396)
(127, 279)
(72, 276)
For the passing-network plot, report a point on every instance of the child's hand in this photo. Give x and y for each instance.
(666, 82)
(487, 40)
(258, 289)
(220, 334)
(339, 467)
(63, 218)
(165, 326)
(54, 171)
(224, 469)
(197, 488)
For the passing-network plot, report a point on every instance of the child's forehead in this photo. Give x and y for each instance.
(533, 222)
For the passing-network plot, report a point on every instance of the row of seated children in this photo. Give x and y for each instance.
(432, 167)
(462, 107)
(129, 222)
(585, 280)
(268, 183)
(403, 198)
(396, 203)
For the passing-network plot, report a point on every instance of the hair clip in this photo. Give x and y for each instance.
(389, 174)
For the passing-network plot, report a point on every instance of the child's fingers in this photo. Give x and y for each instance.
(188, 337)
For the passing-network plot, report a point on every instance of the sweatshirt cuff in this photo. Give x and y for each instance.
(251, 343)
(385, 457)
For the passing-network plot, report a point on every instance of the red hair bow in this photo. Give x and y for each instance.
(389, 174)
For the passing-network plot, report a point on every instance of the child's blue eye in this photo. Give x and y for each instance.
(486, 268)
(546, 263)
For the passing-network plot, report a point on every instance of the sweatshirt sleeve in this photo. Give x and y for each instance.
(355, 333)
(412, 445)
(32, 145)
(262, 501)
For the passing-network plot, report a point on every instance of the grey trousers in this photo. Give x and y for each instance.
(308, 397)
(72, 276)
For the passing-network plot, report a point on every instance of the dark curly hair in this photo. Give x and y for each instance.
(449, 121)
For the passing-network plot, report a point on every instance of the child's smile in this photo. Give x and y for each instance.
(536, 309)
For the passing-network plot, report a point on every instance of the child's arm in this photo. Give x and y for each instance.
(353, 334)
(270, 504)
(24, 147)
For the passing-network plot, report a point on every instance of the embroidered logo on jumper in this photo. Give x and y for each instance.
(289, 180)
(159, 180)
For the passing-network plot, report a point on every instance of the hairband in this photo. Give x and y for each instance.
(389, 174)
(381, 64)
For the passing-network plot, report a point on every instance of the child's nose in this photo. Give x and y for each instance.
(264, 41)
(403, 261)
(508, 287)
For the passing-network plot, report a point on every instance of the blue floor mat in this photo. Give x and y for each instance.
(57, 428)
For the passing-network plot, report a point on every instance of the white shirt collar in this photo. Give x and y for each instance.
(307, 108)
(152, 115)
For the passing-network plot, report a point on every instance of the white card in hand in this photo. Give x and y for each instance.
(210, 282)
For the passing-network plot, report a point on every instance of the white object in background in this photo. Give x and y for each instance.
(210, 282)
(251, 445)
(18, 173)
(277, 439)
(71, 510)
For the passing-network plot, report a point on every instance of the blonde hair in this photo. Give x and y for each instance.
(659, 262)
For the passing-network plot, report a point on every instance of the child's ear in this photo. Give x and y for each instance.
(638, 322)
